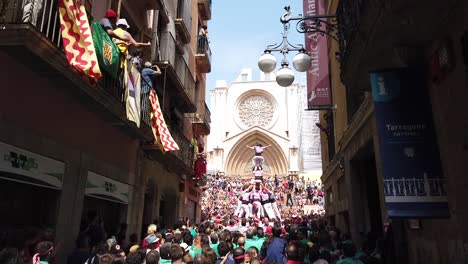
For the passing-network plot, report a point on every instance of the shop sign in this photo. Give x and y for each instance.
(414, 185)
(105, 188)
(23, 166)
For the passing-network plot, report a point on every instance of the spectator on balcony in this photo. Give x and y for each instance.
(203, 31)
(147, 74)
(137, 59)
(108, 23)
(124, 38)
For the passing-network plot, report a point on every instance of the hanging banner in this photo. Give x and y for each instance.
(318, 82)
(414, 185)
(77, 39)
(161, 134)
(132, 92)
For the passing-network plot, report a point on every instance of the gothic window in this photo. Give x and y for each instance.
(256, 111)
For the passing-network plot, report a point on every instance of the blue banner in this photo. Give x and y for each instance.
(414, 184)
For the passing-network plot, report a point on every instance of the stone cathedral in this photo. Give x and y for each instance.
(250, 112)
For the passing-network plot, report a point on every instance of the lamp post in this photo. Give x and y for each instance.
(302, 61)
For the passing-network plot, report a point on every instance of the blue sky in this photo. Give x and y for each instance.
(240, 30)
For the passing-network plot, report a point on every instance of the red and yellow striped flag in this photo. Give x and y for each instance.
(158, 125)
(77, 39)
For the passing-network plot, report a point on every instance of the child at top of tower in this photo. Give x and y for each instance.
(258, 148)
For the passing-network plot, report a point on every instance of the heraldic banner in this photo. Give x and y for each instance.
(132, 82)
(106, 51)
(159, 127)
(77, 40)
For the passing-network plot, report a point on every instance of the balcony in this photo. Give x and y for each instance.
(177, 78)
(34, 40)
(201, 120)
(203, 55)
(183, 21)
(204, 9)
(181, 161)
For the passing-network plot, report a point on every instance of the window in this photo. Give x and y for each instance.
(329, 195)
(244, 77)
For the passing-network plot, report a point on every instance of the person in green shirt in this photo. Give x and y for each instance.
(249, 239)
(214, 242)
(260, 238)
(349, 255)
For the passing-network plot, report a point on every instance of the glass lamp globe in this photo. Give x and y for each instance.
(267, 62)
(302, 62)
(284, 76)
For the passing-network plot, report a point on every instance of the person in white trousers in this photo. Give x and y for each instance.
(239, 203)
(245, 208)
(256, 204)
(267, 210)
(274, 205)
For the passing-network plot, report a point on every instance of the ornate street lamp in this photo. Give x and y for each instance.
(301, 61)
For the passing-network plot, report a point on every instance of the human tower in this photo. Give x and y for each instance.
(256, 200)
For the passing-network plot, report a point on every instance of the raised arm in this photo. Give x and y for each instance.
(133, 42)
(157, 71)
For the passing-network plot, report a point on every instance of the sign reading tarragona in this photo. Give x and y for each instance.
(414, 184)
(318, 82)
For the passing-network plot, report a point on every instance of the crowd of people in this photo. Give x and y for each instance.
(299, 239)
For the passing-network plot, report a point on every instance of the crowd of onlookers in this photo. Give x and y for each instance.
(301, 239)
(298, 236)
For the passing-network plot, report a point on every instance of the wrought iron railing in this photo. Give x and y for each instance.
(184, 13)
(207, 114)
(186, 77)
(44, 17)
(349, 14)
(168, 53)
(203, 46)
(167, 47)
(186, 151)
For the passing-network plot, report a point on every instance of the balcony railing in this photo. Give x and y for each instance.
(44, 18)
(184, 75)
(207, 114)
(183, 22)
(185, 152)
(203, 55)
(349, 14)
(43, 15)
(204, 8)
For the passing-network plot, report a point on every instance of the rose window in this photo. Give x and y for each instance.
(256, 111)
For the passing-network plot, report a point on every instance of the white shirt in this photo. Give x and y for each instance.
(258, 149)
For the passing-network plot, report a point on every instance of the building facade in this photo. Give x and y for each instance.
(69, 155)
(377, 35)
(250, 112)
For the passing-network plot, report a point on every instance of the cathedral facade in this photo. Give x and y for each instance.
(250, 112)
